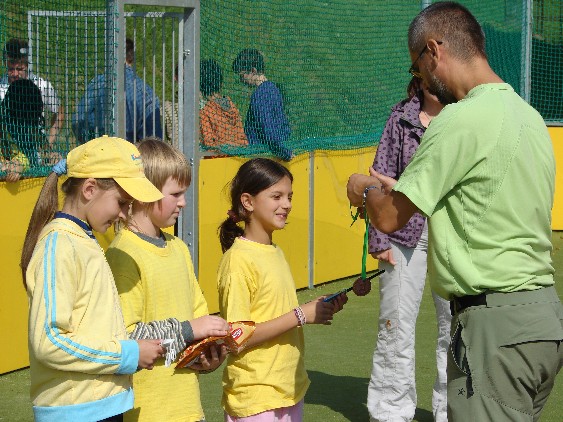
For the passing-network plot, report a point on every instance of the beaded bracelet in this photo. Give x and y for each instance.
(301, 320)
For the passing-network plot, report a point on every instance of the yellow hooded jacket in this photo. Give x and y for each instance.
(80, 357)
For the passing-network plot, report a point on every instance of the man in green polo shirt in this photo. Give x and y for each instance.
(484, 174)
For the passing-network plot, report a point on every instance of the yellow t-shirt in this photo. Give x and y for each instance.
(155, 284)
(255, 284)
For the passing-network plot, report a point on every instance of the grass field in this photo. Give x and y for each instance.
(338, 360)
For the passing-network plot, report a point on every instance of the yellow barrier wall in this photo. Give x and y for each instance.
(213, 196)
(337, 250)
(17, 201)
(338, 247)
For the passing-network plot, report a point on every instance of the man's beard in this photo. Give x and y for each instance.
(439, 89)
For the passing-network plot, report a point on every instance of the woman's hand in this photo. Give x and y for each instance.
(386, 182)
(386, 255)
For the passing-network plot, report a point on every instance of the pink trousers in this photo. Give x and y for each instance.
(283, 414)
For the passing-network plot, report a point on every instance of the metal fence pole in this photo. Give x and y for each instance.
(116, 47)
(526, 59)
(188, 225)
(188, 70)
(311, 257)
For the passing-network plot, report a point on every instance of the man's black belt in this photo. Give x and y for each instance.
(492, 298)
(458, 304)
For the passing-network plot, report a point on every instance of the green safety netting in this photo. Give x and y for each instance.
(50, 51)
(546, 60)
(277, 78)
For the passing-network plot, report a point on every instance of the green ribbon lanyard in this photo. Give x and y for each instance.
(366, 237)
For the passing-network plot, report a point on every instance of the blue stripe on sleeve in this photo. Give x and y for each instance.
(130, 353)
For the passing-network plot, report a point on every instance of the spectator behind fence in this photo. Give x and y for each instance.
(219, 118)
(142, 107)
(15, 54)
(484, 174)
(402, 254)
(22, 124)
(266, 122)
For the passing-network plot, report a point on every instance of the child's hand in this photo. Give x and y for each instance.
(361, 287)
(318, 312)
(149, 352)
(210, 361)
(13, 170)
(12, 176)
(339, 301)
(209, 325)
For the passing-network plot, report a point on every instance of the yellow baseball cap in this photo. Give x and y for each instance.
(113, 158)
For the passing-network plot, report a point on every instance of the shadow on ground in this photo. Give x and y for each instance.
(346, 396)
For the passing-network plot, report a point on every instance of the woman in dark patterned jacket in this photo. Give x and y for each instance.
(391, 390)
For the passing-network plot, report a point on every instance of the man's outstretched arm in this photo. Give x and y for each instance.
(388, 210)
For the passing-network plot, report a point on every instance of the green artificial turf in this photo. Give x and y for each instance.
(338, 359)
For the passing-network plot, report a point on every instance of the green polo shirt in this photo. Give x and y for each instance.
(484, 174)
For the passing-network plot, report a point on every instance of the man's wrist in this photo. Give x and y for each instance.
(367, 190)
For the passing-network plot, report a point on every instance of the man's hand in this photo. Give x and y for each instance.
(388, 210)
(357, 183)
